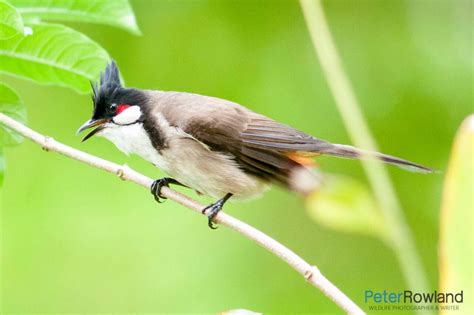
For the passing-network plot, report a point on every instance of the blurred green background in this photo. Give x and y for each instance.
(75, 239)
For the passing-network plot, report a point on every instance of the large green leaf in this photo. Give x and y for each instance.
(116, 13)
(456, 236)
(346, 205)
(54, 54)
(11, 22)
(11, 105)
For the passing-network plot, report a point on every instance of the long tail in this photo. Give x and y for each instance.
(350, 152)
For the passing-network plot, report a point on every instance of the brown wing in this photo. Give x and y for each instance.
(260, 145)
(262, 132)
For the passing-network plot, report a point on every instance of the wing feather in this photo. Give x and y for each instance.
(257, 143)
(276, 136)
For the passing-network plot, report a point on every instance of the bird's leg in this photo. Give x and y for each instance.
(214, 208)
(155, 188)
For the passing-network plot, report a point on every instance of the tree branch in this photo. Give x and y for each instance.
(310, 273)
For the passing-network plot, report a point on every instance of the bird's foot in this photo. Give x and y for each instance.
(158, 184)
(213, 209)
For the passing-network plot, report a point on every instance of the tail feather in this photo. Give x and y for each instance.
(350, 152)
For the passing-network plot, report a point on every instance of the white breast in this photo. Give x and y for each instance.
(187, 160)
(132, 139)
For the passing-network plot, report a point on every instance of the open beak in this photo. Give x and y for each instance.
(92, 123)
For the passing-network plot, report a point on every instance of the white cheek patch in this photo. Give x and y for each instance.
(128, 116)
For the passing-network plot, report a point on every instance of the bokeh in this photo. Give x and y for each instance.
(75, 239)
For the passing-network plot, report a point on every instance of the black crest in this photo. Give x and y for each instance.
(110, 92)
(110, 85)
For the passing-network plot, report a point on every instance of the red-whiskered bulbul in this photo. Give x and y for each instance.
(214, 146)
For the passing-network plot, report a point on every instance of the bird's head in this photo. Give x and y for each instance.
(114, 105)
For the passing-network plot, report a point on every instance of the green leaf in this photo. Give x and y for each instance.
(456, 241)
(346, 205)
(12, 106)
(116, 13)
(11, 23)
(54, 55)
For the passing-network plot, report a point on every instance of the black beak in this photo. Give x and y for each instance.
(89, 124)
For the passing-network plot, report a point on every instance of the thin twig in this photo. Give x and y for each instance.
(310, 273)
(401, 239)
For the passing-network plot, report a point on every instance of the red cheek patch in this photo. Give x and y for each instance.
(121, 108)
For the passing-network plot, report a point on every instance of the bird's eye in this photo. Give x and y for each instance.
(113, 106)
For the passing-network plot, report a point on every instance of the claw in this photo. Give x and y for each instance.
(155, 188)
(214, 209)
(211, 225)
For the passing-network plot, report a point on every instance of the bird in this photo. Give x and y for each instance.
(211, 145)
